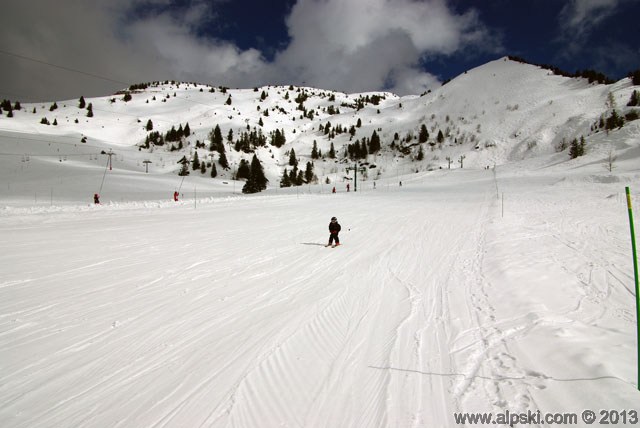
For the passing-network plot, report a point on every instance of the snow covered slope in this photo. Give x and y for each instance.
(463, 290)
(495, 114)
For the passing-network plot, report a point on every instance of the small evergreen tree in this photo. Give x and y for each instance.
(374, 143)
(203, 167)
(195, 163)
(314, 150)
(243, 170)
(214, 171)
(184, 170)
(577, 148)
(614, 121)
(293, 161)
(81, 103)
(149, 126)
(257, 181)
(309, 176)
(90, 110)
(420, 154)
(423, 137)
(228, 101)
(332, 152)
(634, 100)
(440, 137)
(224, 163)
(285, 181)
(217, 143)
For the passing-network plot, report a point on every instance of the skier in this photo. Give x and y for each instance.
(334, 189)
(334, 229)
(348, 187)
(96, 198)
(175, 196)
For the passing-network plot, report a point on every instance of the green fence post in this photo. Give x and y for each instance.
(635, 273)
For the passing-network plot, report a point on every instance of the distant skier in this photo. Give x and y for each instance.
(175, 196)
(96, 198)
(334, 189)
(334, 230)
(348, 187)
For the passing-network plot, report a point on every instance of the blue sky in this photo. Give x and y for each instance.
(404, 46)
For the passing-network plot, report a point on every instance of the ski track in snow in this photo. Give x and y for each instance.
(230, 315)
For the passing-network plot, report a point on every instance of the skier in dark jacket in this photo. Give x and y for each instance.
(334, 229)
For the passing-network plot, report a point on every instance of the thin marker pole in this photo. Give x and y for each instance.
(635, 273)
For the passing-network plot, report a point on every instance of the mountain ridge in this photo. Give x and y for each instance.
(500, 112)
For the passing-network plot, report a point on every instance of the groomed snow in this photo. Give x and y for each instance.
(463, 290)
(231, 312)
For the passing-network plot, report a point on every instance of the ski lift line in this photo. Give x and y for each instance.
(12, 135)
(124, 148)
(73, 70)
(104, 175)
(127, 84)
(181, 181)
(48, 156)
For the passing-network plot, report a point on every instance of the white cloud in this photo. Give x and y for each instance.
(355, 45)
(358, 45)
(582, 15)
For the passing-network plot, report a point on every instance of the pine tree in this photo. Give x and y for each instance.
(332, 152)
(203, 167)
(293, 161)
(187, 130)
(614, 121)
(440, 137)
(634, 100)
(574, 149)
(149, 126)
(257, 181)
(184, 170)
(214, 171)
(314, 150)
(420, 154)
(90, 110)
(374, 143)
(424, 134)
(243, 170)
(195, 164)
(217, 143)
(285, 181)
(224, 163)
(293, 176)
(228, 101)
(308, 173)
(81, 103)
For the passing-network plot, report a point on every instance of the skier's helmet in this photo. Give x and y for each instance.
(334, 219)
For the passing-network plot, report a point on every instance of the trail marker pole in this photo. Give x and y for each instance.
(635, 273)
